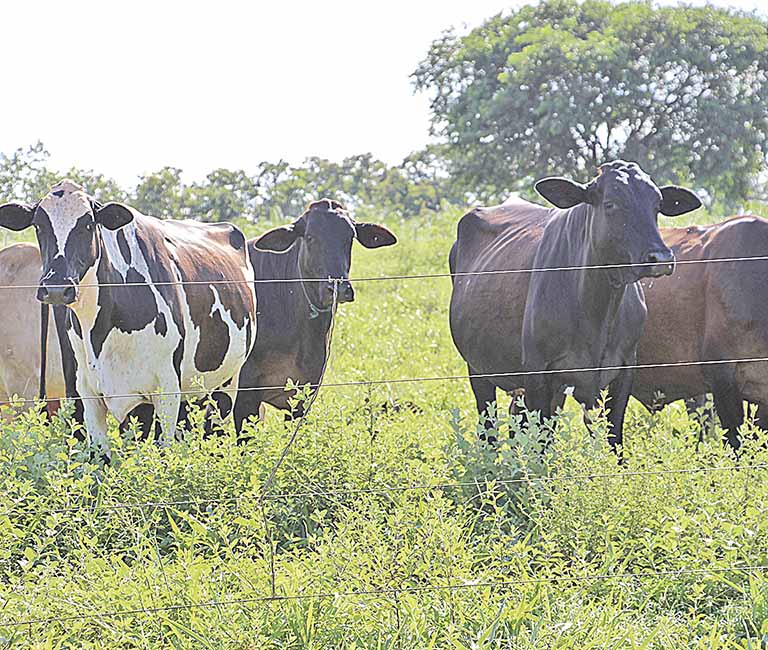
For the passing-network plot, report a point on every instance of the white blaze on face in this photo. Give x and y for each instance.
(64, 204)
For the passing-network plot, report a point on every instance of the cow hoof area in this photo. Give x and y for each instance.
(100, 458)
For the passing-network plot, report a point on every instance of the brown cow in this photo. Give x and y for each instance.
(706, 312)
(20, 265)
(294, 318)
(561, 320)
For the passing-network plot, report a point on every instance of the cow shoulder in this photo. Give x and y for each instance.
(489, 232)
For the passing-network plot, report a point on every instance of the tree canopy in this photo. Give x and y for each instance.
(274, 191)
(563, 86)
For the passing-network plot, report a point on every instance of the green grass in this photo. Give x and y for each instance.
(336, 529)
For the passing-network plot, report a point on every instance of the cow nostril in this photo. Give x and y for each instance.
(659, 257)
(69, 293)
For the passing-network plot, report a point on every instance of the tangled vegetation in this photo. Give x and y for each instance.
(390, 524)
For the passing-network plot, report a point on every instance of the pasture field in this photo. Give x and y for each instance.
(391, 525)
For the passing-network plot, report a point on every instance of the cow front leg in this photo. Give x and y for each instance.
(539, 397)
(247, 404)
(219, 408)
(618, 396)
(730, 408)
(95, 417)
(167, 413)
(485, 395)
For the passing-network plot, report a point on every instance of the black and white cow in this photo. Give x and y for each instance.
(138, 334)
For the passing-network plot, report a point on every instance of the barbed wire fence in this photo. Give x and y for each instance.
(265, 495)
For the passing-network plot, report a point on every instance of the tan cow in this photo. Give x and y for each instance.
(709, 312)
(20, 332)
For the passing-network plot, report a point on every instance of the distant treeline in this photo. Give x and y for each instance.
(552, 88)
(275, 191)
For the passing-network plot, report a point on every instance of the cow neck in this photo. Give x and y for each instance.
(599, 296)
(93, 294)
(314, 312)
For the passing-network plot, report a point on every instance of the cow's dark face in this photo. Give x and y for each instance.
(66, 221)
(325, 233)
(624, 226)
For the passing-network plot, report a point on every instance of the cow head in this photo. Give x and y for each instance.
(325, 233)
(625, 204)
(66, 222)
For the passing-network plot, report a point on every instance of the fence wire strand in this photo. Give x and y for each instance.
(406, 380)
(388, 591)
(388, 489)
(417, 276)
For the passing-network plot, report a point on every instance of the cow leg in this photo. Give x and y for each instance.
(223, 398)
(618, 395)
(298, 411)
(247, 403)
(730, 408)
(145, 415)
(167, 412)
(538, 396)
(485, 395)
(95, 417)
(69, 366)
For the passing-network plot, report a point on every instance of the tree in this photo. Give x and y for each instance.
(24, 175)
(162, 194)
(225, 195)
(563, 86)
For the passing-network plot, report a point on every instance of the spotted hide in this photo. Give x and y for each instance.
(134, 329)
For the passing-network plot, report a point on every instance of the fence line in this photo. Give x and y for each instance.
(407, 380)
(387, 489)
(421, 276)
(386, 591)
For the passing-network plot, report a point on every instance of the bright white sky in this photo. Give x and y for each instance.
(127, 87)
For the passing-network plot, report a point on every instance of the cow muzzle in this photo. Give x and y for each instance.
(658, 262)
(346, 292)
(63, 292)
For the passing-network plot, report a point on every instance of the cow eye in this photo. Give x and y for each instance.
(89, 226)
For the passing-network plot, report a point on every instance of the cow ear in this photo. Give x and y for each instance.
(372, 235)
(113, 215)
(279, 240)
(16, 216)
(677, 200)
(562, 192)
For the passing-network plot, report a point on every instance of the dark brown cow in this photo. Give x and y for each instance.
(560, 320)
(710, 311)
(294, 317)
